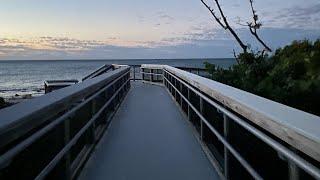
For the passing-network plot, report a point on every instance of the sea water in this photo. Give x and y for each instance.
(28, 76)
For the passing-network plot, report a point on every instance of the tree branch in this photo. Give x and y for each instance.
(226, 25)
(235, 56)
(253, 26)
(213, 14)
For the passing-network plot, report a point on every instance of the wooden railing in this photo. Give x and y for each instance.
(244, 135)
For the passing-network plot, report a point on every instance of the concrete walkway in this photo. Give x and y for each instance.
(148, 139)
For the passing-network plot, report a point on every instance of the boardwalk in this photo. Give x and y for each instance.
(148, 139)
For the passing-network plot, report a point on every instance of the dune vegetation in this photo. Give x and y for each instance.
(291, 75)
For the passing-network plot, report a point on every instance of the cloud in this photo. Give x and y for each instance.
(296, 17)
(166, 17)
(156, 19)
(199, 42)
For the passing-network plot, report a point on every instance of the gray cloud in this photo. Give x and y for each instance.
(296, 17)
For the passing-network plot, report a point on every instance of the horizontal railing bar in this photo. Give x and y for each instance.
(293, 126)
(308, 167)
(59, 156)
(37, 111)
(18, 148)
(237, 155)
(151, 73)
(105, 67)
(190, 68)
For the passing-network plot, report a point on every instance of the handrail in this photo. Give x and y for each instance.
(281, 120)
(278, 119)
(108, 89)
(60, 155)
(207, 89)
(21, 146)
(280, 148)
(31, 113)
(245, 164)
(98, 71)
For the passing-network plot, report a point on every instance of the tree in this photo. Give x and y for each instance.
(253, 26)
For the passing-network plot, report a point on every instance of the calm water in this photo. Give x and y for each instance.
(26, 77)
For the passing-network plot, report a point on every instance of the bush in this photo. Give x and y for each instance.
(2, 103)
(291, 76)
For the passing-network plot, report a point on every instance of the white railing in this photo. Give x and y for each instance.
(292, 134)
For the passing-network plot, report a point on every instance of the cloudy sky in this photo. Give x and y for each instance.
(121, 29)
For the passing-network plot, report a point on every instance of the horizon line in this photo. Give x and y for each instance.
(108, 59)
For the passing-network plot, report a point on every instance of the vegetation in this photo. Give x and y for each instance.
(3, 103)
(291, 76)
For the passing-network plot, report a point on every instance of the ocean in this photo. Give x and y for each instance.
(27, 77)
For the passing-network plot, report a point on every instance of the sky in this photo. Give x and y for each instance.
(142, 29)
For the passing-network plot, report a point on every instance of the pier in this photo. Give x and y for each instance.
(156, 122)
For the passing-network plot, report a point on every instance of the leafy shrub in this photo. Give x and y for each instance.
(2, 103)
(291, 76)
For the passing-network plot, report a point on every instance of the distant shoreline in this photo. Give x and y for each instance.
(26, 77)
(122, 59)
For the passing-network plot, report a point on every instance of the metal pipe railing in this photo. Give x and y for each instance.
(77, 133)
(244, 163)
(175, 84)
(72, 142)
(274, 144)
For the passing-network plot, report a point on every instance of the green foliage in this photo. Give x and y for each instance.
(2, 103)
(291, 76)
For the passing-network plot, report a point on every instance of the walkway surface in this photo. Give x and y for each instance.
(148, 138)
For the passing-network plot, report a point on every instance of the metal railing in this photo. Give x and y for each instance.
(234, 143)
(103, 69)
(54, 135)
(137, 72)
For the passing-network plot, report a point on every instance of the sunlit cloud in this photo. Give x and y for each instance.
(195, 43)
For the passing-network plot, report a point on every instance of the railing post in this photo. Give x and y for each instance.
(201, 123)
(189, 105)
(151, 75)
(163, 78)
(293, 169)
(92, 129)
(181, 96)
(175, 85)
(226, 152)
(67, 167)
(134, 73)
(142, 70)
